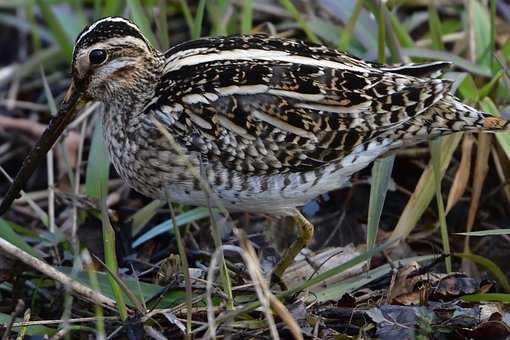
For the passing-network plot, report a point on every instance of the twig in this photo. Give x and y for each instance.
(210, 306)
(20, 104)
(51, 272)
(185, 269)
(51, 191)
(260, 283)
(39, 212)
(59, 321)
(17, 311)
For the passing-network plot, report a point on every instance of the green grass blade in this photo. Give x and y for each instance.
(196, 32)
(339, 269)
(381, 176)
(293, 11)
(217, 11)
(149, 291)
(482, 32)
(162, 21)
(38, 331)
(247, 17)
(8, 234)
(305, 285)
(487, 88)
(64, 41)
(381, 33)
(425, 190)
(402, 35)
(184, 268)
(337, 290)
(94, 284)
(96, 186)
(112, 8)
(111, 260)
(435, 149)
(490, 232)
(346, 35)
(492, 32)
(187, 15)
(436, 31)
(490, 266)
(98, 165)
(497, 297)
(469, 90)
(502, 137)
(35, 29)
(182, 219)
(144, 215)
(381, 171)
(446, 56)
(120, 287)
(141, 20)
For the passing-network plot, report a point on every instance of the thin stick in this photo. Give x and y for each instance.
(59, 321)
(17, 311)
(185, 269)
(51, 191)
(39, 212)
(56, 275)
(260, 283)
(210, 306)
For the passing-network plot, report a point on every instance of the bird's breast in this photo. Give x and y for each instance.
(153, 168)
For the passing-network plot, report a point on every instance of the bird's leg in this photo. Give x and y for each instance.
(305, 235)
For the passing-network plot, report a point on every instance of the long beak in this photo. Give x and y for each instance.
(70, 104)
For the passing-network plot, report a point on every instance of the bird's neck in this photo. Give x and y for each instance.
(123, 114)
(137, 88)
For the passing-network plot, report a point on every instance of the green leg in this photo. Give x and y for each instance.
(305, 235)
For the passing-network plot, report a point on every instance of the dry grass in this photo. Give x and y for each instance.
(168, 259)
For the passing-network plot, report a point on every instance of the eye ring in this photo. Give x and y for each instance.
(97, 56)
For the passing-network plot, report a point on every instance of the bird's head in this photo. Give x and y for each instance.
(112, 59)
(113, 63)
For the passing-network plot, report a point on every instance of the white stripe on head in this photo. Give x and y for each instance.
(258, 54)
(100, 21)
(81, 59)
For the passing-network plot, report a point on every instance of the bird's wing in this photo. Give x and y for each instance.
(261, 110)
(428, 70)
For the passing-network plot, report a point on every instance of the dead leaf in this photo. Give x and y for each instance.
(320, 263)
(461, 178)
(481, 170)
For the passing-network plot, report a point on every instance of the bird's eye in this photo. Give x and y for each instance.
(97, 56)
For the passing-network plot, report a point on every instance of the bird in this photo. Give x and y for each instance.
(267, 123)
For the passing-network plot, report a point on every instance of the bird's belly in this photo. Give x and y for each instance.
(162, 174)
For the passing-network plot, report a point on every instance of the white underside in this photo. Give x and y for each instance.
(273, 199)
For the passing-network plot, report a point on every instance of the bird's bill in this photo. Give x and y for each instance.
(72, 101)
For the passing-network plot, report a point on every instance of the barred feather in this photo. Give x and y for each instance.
(274, 122)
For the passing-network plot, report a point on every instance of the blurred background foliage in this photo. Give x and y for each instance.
(421, 197)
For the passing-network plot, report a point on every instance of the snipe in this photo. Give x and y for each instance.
(271, 123)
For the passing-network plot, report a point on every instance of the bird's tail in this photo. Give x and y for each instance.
(448, 116)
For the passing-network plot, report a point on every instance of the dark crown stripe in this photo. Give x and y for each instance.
(107, 28)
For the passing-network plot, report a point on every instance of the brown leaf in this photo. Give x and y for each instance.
(487, 330)
(481, 170)
(321, 262)
(461, 178)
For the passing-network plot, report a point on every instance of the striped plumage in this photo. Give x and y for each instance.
(273, 122)
(269, 123)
